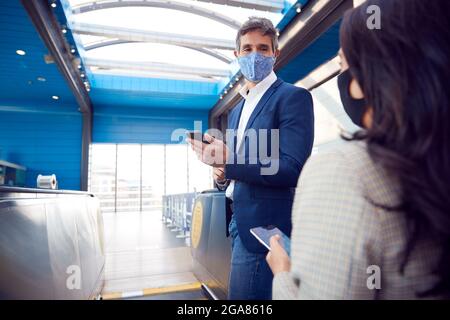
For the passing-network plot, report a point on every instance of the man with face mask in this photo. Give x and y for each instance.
(256, 199)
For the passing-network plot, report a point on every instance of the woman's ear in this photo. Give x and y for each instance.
(355, 90)
(367, 118)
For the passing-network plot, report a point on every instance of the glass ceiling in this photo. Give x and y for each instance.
(148, 41)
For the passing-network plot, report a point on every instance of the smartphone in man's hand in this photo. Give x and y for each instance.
(263, 235)
(197, 135)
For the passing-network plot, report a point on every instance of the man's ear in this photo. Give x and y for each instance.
(235, 53)
(277, 53)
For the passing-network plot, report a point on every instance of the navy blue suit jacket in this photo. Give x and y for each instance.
(262, 200)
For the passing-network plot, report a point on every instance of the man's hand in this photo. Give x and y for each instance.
(219, 174)
(213, 154)
(277, 258)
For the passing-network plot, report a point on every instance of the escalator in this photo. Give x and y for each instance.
(47, 236)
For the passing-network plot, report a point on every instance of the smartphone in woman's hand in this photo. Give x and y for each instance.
(263, 234)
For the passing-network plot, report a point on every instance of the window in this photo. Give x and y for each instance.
(135, 177)
(128, 178)
(152, 176)
(198, 169)
(102, 174)
(176, 172)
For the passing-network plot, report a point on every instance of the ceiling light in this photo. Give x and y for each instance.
(299, 9)
(21, 52)
(55, 97)
(64, 30)
(72, 50)
(53, 5)
(82, 75)
(48, 58)
(41, 79)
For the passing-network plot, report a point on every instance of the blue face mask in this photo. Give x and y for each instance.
(256, 66)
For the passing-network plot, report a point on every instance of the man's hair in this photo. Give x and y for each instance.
(264, 25)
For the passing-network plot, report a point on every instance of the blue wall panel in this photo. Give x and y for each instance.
(44, 142)
(140, 125)
(149, 100)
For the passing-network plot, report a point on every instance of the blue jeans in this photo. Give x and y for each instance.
(250, 275)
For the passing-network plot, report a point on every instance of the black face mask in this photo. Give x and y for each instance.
(355, 108)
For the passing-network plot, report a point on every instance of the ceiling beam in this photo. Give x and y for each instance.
(50, 31)
(148, 74)
(156, 67)
(213, 53)
(165, 4)
(321, 74)
(151, 36)
(316, 18)
(261, 5)
(110, 42)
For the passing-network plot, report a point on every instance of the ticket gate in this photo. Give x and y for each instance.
(211, 249)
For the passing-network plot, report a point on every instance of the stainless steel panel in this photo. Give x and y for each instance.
(45, 241)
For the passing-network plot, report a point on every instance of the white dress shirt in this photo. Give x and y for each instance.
(252, 97)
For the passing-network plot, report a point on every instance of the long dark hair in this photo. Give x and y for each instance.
(404, 71)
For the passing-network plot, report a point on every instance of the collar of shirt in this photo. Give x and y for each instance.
(259, 89)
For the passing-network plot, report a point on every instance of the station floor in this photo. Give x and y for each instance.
(145, 259)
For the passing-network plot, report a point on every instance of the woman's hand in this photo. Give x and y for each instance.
(277, 257)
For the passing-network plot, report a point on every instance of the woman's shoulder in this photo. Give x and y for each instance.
(343, 155)
(352, 152)
(350, 162)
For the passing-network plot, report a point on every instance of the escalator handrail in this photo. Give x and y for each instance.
(6, 189)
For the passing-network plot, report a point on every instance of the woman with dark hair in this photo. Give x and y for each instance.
(372, 219)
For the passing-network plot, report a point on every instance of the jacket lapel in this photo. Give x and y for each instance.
(235, 121)
(262, 102)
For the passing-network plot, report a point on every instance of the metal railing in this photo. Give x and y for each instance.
(177, 212)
